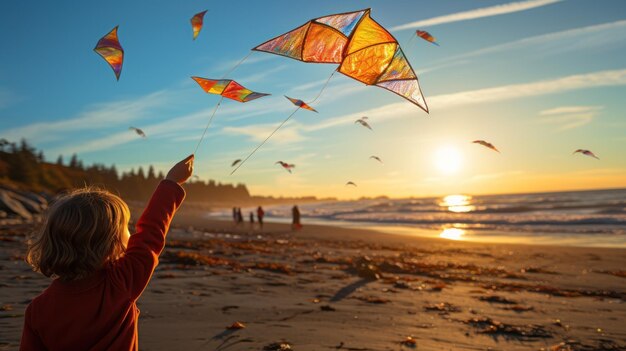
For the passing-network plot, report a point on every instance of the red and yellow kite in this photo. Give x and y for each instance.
(364, 50)
(228, 89)
(196, 23)
(111, 51)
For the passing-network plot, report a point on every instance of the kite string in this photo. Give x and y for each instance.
(208, 124)
(237, 65)
(264, 141)
(324, 87)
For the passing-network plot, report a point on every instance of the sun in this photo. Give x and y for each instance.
(448, 160)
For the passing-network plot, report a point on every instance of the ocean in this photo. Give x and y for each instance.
(576, 218)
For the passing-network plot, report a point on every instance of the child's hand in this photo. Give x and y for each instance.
(181, 171)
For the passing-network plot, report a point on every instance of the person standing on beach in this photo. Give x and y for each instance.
(259, 215)
(239, 216)
(295, 224)
(251, 220)
(99, 269)
(235, 215)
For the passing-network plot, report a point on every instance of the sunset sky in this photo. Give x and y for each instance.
(537, 78)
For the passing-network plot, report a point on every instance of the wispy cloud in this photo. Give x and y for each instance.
(288, 134)
(98, 116)
(490, 11)
(568, 117)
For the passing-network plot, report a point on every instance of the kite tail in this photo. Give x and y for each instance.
(324, 87)
(208, 124)
(237, 65)
(264, 141)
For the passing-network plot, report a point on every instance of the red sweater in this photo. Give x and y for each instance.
(100, 312)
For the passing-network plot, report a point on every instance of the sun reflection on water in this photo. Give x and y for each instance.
(452, 233)
(458, 203)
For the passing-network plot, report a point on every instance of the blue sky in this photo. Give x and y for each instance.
(538, 78)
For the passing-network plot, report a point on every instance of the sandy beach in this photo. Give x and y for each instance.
(325, 288)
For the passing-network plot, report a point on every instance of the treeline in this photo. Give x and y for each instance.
(26, 167)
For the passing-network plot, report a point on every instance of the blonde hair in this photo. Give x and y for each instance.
(82, 231)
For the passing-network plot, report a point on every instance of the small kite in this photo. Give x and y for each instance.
(287, 166)
(301, 104)
(235, 162)
(138, 131)
(350, 183)
(363, 121)
(486, 144)
(376, 158)
(196, 23)
(227, 88)
(587, 152)
(111, 51)
(426, 36)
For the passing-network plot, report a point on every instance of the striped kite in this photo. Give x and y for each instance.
(301, 104)
(426, 36)
(196, 23)
(111, 51)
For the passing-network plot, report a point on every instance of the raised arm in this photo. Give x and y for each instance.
(133, 271)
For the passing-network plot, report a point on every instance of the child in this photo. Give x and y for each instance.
(100, 270)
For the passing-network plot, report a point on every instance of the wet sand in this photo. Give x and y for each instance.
(328, 288)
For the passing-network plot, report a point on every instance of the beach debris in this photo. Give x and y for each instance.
(236, 326)
(138, 131)
(286, 166)
(6, 307)
(619, 273)
(363, 121)
(372, 299)
(196, 23)
(327, 308)
(486, 144)
(586, 152)
(235, 162)
(409, 341)
(576, 345)
(278, 346)
(365, 268)
(376, 158)
(350, 183)
(487, 325)
(497, 299)
(438, 286)
(442, 308)
(520, 308)
(401, 284)
(426, 36)
(109, 48)
(301, 104)
(225, 309)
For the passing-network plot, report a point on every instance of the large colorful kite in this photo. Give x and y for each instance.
(227, 88)
(111, 51)
(196, 23)
(364, 50)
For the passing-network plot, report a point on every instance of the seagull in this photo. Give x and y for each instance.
(376, 158)
(138, 131)
(285, 165)
(586, 152)
(363, 122)
(235, 162)
(486, 144)
(350, 183)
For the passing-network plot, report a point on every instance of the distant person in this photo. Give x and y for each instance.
(239, 216)
(259, 215)
(235, 215)
(99, 269)
(251, 220)
(295, 223)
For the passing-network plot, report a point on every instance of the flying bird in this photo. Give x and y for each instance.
(486, 144)
(235, 162)
(363, 121)
(350, 183)
(138, 131)
(586, 152)
(287, 166)
(376, 158)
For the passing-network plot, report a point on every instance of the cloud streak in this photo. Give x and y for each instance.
(490, 11)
